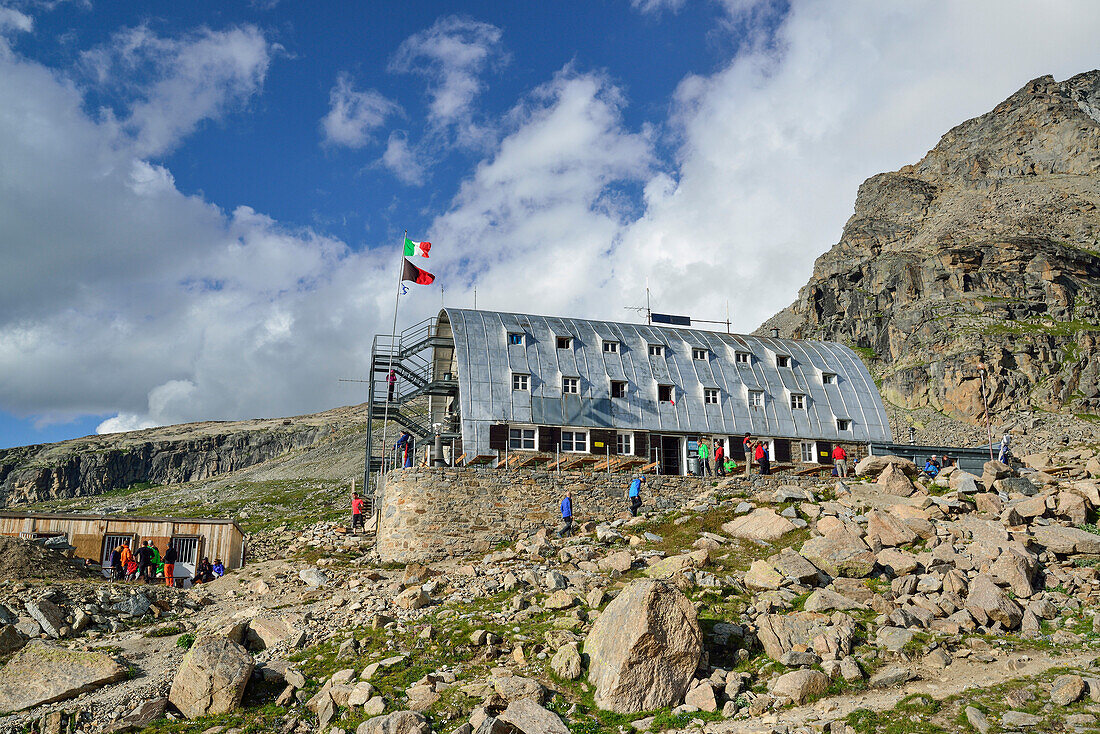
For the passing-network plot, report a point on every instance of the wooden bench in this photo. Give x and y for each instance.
(629, 464)
(556, 464)
(650, 468)
(480, 459)
(580, 462)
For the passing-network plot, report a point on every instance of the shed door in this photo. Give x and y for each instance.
(824, 452)
(782, 450)
(187, 550)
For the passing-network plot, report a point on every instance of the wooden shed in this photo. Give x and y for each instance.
(94, 536)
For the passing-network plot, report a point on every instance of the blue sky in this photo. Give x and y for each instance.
(200, 202)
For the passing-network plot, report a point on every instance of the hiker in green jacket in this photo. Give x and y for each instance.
(704, 458)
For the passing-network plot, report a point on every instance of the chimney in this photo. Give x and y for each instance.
(775, 332)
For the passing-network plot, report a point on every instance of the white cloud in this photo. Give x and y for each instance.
(170, 85)
(354, 115)
(452, 55)
(403, 160)
(657, 6)
(13, 20)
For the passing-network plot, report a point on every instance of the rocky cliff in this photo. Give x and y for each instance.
(987, 250)
(168, 455)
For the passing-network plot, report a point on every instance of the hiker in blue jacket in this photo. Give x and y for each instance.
(566, 515)
(635, 495)
(406, 442)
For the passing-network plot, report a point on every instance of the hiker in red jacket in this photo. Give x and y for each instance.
(840, 461)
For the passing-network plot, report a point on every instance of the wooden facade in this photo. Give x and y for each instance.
(95, 535)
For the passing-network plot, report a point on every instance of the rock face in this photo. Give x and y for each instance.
(211, 678)
(41, 673)
(183, 453)
(644, 648)
(985, 249)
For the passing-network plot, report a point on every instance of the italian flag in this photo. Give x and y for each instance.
(416, 248)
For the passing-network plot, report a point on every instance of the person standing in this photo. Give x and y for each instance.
(719, 459)
(391, 383)
(747, 444)
(145, 561)
(170, 556)
(404, 445)
(566, 528)
(357, 505)
(116, 563)
(840, 460)
(762, 459)
(635, 493)
(704, 458)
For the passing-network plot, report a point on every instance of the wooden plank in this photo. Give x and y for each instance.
(480, 459)
(650, 468)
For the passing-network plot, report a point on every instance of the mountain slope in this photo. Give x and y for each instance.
(988, 249)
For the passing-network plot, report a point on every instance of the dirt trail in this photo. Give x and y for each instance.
(960, 676)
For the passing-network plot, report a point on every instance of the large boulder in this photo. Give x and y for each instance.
(48, 615)
(987, 603)
(761, 524)
(840, 554)
(888, 529)
(212, 677)
(644, 649)
(1066, 541)
(41, 673)
(399, 722)
(527, 717)
(894, 481)
(800, 685)
(873, 466)
(782, 633)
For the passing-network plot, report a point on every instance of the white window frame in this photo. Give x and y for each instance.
(521, 439)
(671, 392)
(846, 427)
(610, 347)
(699, 353)
(618, 382)
(711, 396)
(783, 361)
(568, 342)
(512, 338)
(656, 350)
(742, 357)
(570, 386)
(798, 401)
(572, 442)
(521, 381)
(624, 444)
(756, 398)
(828, 378)
(812, 453)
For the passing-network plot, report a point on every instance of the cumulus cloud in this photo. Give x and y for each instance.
(353, 115)
(167, 86)
(13, 20)
(403, 160)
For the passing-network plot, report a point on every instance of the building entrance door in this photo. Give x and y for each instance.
(187, 556)
(670, 455)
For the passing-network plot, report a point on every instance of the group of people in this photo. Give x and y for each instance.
(147, 564)
(935, 465)
(724, 465)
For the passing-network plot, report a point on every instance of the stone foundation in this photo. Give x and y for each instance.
(430, 514)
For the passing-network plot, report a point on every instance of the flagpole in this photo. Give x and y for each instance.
(393, 338)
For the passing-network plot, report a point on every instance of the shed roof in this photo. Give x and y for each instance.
(485, 361)
(119, 518)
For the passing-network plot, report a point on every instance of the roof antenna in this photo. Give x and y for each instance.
(475, 297)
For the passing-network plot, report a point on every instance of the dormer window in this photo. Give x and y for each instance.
(782, 360)
(656, 350)
(828, 378)
(697, 353)
(618, 389)
(844, 424)
(798, 401)
(515, 338)
(710, 395)
(565, 342)
(571, 385)
(742, 357)
(756, 398)
(610, 347)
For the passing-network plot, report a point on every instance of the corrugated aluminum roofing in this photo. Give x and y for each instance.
(486, 361)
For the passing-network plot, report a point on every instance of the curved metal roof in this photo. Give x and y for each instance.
(486, 361)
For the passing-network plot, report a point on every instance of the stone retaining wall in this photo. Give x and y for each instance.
(429, 514)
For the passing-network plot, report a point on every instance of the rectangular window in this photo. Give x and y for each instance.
(710, 395)
(565, 342)
(798, 402)
(571, 385)
(574, 441)
(664, 393)
(756, 398)
(828, 378)
(515, 338)
(656, 350)
(843, 424)
(521, 439)
(782, 360)
(611, 347)
(809, 454)
(618, 389)
(742, 357)
(697, 353)
(521, 382)
(624, 444)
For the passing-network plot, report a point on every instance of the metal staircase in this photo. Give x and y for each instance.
(409, 355)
